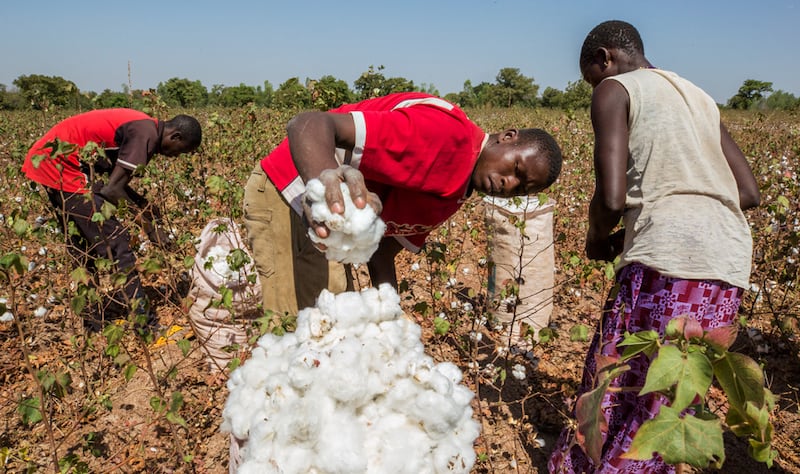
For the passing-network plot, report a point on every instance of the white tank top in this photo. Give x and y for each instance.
(682, 214)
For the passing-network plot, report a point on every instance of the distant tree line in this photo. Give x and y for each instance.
(510, 89)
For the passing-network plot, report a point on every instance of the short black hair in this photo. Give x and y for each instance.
(549, 148)
(189, 128)
(611, 34)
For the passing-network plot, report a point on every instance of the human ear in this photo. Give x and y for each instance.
(509, 134)
(602, 56)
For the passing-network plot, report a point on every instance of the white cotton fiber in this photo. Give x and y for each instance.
(354, 236)
(351, 391)
(216, 260)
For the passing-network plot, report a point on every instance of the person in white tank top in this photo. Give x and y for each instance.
(667, 167)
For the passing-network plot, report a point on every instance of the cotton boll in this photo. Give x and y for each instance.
(391, 439)
(340, 449)
(354, 236)
(450, 458)
(304, 368)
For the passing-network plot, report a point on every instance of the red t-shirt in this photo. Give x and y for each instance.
(416, 152)
(130, 138)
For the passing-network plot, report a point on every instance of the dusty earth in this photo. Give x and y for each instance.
(105, 423)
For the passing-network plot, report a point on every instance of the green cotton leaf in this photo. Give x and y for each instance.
(185, 346)
(113, 333)
(592, 425)
(80, 275)
(175, 419)
(237, 259)
(227, 297)
(422, 308)
(129, 372)
(689, 440)
(157, 404)
(108, 209)
(14, 261)
(579, 333)
(177, 401)
(98, 217)
(216, 184)
(29, 410)
(151, 266)
(608, 270)
(440, 326)
(188, 261)
(741, 378)
(21, 227)
(642, 341)
(689, 372)
(77, 303)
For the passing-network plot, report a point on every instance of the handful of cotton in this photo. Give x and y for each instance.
(354, 236)
(350, 391)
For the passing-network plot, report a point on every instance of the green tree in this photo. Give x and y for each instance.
(183, 92)
(11, 100)
(373, 83)
(577, 95)
(237, 96)
(781, 100)
(292, 95)
(513, 88)
(265, 94)
(552, 97)
(750, 94)
(108, 99)
(43, 92)
(328, 92)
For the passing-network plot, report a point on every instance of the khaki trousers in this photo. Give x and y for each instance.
(292, 271)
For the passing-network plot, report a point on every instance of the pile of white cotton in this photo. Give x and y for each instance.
(350, 391)
(354, 236)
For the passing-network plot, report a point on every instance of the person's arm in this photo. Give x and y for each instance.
(313, 139)
(381, 265)
(610, 122)
(749, 195)
(117, 188)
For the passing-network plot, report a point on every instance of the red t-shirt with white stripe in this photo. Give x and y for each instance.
(129, 137)
(416, 152)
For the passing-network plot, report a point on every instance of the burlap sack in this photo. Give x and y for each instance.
(219, 329)
(525, 257)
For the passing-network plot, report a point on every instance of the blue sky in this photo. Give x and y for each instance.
(716, 44)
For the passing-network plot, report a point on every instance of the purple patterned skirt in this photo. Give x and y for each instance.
(646, 300)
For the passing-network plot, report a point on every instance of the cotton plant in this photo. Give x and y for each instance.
(354, 236)
(351, 390)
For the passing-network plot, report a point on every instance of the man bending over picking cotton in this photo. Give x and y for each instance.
(413, 157)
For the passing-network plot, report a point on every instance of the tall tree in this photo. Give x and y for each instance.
(43, 92)
(751, 92)
(183, 92)
(781, 100)
(328, 92)
(292, 95)
(577, 95)
(513, 88)
(373, 83)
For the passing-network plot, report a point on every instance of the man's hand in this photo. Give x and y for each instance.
(359, 194)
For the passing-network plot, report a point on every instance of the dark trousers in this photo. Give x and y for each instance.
(107, 239)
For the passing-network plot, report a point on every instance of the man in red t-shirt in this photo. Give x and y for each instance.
(414, 157)
(118, 142)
